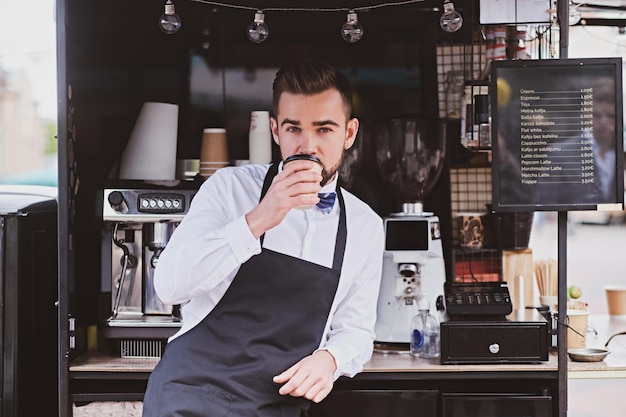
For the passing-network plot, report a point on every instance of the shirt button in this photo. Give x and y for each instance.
(220, 275)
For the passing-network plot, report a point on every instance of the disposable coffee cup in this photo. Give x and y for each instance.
(616, 299)
(315, 166)
(577, 320)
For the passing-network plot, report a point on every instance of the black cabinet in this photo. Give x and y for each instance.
(491, 405)
(375, 403)
(28, 296)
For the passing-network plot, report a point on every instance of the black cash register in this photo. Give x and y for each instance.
(482, 327)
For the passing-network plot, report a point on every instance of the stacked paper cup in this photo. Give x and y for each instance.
(213, 151)
(260, 145)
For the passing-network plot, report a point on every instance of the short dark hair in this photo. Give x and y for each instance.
(310, 78)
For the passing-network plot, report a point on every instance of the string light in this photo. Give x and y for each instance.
(308, 9)
(258, 30)
(169, 22)
(352, 31)
(574, 13)
(450, 20)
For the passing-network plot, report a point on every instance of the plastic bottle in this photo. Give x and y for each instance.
(424, 331)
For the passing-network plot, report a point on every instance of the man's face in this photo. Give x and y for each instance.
(316, 125)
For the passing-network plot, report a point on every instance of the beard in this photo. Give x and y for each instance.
(329, 173)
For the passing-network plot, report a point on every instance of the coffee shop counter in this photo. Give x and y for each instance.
(601, 327)
(91, 374)
(380, 363)
(102, 377)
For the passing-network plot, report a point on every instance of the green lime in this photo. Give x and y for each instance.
(574, 292)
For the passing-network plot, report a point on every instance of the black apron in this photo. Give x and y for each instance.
(272, 315)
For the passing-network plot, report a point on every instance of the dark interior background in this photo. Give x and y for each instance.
(118, 58)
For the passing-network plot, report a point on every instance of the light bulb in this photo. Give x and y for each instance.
(169, 22)
(574, 14)
(258, 30)
(450, 20)
(352, 31)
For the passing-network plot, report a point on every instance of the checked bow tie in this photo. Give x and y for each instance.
(327, 201)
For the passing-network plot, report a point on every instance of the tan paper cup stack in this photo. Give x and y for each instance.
(214, 151)
(616, 299)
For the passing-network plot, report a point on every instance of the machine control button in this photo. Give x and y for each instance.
(161, 203)
(494, 348)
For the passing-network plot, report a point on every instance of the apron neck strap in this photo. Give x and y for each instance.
(340, 241)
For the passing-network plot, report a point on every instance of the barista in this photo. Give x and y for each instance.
(278, 302)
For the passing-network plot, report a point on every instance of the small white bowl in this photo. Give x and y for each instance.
(549, 300)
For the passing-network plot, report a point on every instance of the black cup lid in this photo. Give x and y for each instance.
(304, 156)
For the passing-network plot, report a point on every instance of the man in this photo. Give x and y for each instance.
(278, 302)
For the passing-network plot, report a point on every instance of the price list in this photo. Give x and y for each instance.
(556, 134)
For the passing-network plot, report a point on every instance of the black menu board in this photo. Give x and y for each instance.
(557, 134)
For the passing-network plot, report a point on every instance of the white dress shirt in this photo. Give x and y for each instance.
(206, 250)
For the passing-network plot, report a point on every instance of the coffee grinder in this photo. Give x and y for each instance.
(410, 155)
(137, 225)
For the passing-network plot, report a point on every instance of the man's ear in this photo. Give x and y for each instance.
(352, 128)
(274, 127)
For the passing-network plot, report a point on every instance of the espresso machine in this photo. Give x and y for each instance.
(137, 226)
(410, 155)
